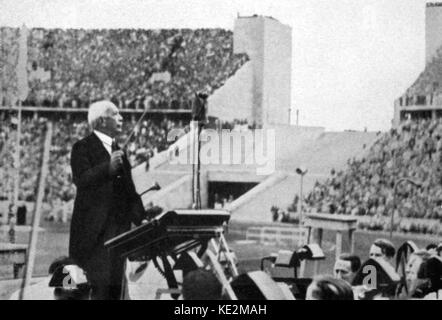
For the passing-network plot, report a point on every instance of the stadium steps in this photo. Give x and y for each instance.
(319, 151)
(279, 190)
(330, 150)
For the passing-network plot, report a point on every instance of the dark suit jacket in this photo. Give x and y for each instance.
(104, 206)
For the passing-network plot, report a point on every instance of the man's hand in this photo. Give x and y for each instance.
(116, 162)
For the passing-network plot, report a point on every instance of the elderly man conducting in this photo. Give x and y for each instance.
(106, 202)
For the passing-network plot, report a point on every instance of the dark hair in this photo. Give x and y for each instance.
(60, 262)
(330, 288)
(386, 246)
(431, 246)
(355, 261)
(201, 284)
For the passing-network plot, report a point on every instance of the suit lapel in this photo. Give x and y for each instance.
(97, 149)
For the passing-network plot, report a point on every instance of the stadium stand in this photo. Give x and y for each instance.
(365, 188)
(136, 69)
(149, 139)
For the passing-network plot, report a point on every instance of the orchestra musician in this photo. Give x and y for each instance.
(106, 202)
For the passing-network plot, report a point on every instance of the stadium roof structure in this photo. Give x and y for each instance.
(430, 80)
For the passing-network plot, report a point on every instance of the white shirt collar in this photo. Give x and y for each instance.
(104, 138)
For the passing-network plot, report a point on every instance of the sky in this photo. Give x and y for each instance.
(351, 58)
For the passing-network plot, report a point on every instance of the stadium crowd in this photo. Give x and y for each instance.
(30, 153)
(157, 69)
(148, 139)
(366, 187)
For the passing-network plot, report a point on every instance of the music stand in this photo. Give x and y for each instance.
(169, 235)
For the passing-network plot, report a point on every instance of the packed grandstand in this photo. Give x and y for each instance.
(366, 187)
(161, 69)
(135, 68)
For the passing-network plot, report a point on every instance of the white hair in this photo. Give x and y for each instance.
(98, 110)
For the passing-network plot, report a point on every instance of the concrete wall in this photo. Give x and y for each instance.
(290, 139)
(234, 100)
(329, 150)
(433, 29)
(176, 195)
(248, 37)
(279, 190)
(255, 204)
(277, 72)
(268, 43)
(145, 179)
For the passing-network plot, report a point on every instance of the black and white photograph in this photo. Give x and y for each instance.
(220, 150)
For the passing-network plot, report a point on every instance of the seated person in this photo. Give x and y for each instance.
(376, 278)
(44, 289)
(201, 284)
(384, 249)
(68, 280)
(328, 288)
(346, 267)
(415, 274)
(432, 248)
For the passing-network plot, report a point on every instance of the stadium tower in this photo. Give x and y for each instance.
(423, 99)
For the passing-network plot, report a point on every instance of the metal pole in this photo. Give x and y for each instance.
(300, 201)
(192, 148)
(394, 209)
(29, 266)
(17, 157)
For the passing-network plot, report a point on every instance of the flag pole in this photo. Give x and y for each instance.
(17, 156)
(22, 93)
(30, 258)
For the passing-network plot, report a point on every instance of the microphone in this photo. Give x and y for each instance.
(154, 187)
(199, 107)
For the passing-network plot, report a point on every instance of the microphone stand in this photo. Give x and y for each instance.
(155, 187)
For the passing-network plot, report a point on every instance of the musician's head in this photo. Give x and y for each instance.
(415, 271)
(201, 284)
(346, 267)
(66, 280)
(104, 116)
(326, 287)
(383, 249)
(434, 249)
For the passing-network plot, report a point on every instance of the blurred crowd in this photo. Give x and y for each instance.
(30, 154)
(366, 187)
(149, 138)
(135, 68)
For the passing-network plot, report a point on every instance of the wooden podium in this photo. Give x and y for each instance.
(336, 222)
